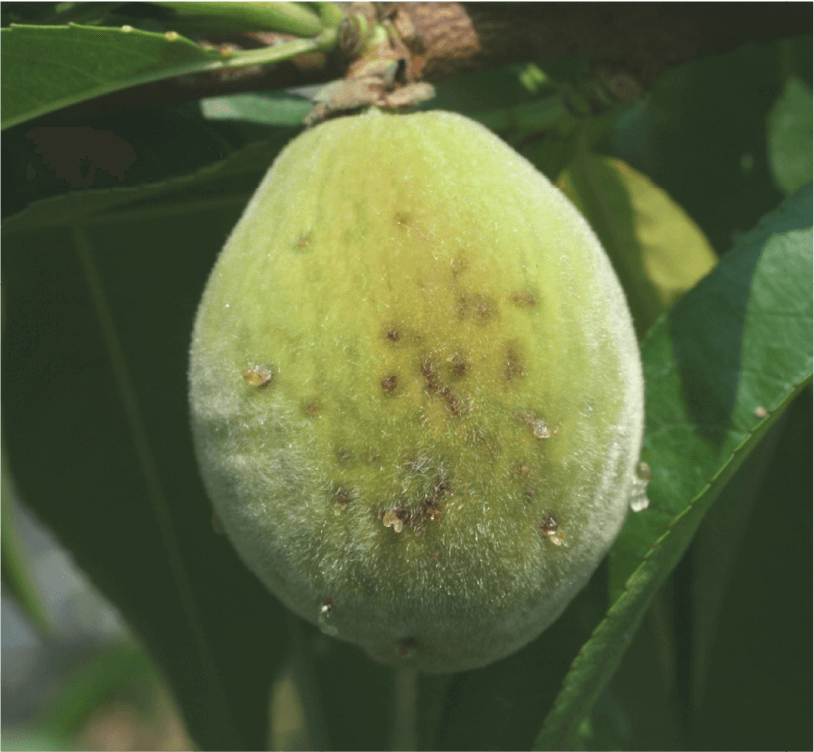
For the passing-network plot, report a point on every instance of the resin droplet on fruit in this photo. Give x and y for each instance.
(416, 394)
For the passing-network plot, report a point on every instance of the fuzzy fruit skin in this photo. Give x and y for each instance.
(416, 394)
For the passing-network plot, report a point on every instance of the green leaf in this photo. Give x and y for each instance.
(720, 369)
(791, 129)
(49, 67)
(758, 664)
(700, 134)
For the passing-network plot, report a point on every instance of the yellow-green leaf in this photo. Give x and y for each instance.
(657, 250)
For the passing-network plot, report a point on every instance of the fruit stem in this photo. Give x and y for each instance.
(405, 709)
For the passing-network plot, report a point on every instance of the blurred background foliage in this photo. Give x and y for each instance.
(111, 224)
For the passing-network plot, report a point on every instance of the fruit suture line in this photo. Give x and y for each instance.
(415, 389)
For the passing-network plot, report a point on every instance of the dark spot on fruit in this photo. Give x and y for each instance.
(531, 494)
(455, 405)
(431, 508)
(550, 528)
(428, 371)
(478, 307)
(523, 299)
(259, 375)
(406, 645)
(403, 219)
(344, 455)
(548, 524)
(390, 383)
(396, 518)
(513, 366)
(312, 407)
(457, 367)
(433, 513)
(522, 470)
(392, 333)
(343, 495)
(434, 385)
(302, 243)
(459, 266)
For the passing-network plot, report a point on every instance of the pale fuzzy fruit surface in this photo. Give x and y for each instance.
(416, 394)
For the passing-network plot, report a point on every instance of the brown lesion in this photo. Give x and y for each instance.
(403, 219)
(430, 509)
(522, 470)
(434, 385)
(523, 299)
(431, 506)
(514, 366)
(392, 333)
(549, 528)
(459, 266)
(302, 243)
(311, 407)
(345, 455)
(390, 383)
(343, 494)
(458, 366)
(478, 307)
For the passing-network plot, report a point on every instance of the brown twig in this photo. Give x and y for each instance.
(444, 40)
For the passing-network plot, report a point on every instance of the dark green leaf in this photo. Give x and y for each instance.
(49, 67)
(94, 353)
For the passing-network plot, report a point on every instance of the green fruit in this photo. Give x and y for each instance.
(416, 394)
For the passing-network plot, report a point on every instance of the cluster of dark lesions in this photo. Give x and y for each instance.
(435, 385)
(430, 508)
